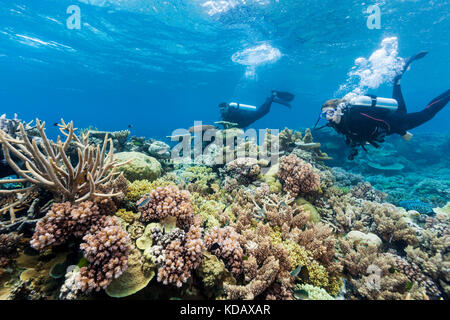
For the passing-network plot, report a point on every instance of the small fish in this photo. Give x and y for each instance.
(301, 294)
(283, 204)
(245, 258)
(215, 246)
(296, 271)
(144, 202)
(409, 286)
(55, 124)
(130, 126)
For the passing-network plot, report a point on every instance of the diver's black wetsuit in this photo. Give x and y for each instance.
(245, 117)
(372, 124)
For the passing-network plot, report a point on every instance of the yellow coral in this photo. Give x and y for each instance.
(127, 216)
(139, 188)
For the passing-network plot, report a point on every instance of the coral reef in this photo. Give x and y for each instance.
(247, 229)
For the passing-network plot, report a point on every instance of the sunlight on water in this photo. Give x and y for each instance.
(256, 56)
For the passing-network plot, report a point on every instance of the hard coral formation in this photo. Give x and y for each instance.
(106, 245)
(9, 245)
(300, 231)
(224, 243)
(244, 170)
(182, 257)
(139, 166)
(297, 175)
(48, 165)
(167, 201)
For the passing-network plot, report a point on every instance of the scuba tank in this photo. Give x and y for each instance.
(374, 101)
(236, 106)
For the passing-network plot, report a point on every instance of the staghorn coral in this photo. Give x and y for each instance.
(182, 257)
(49, 167)
(265, 276)
(224, 244)
(298, 176)
(167, 201)
(106, 247)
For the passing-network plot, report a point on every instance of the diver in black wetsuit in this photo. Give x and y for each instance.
(244, 115)
(363, 125)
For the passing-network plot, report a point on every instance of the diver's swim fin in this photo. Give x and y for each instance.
(286, 96)
(415, 57)
(283, 102)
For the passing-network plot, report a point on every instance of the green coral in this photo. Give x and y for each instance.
(200, 178)
(208, 211)
(273, 183)
(214, 274)
(314, 215)
(310, 292)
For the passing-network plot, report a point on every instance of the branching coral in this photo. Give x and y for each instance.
(48, 165)
(182, 257)
(374, 276)
(106, 247)
(106, 244)
(390, 222)
(224, 244)
(433, 257)
(297, 175)
(167, 201)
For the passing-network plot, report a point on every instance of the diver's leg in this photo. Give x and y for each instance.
(398, 95)
(413, 120)
(397, 92)
(265, 108)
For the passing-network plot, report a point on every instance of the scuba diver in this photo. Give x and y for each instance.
(244, 115)
(368, 119)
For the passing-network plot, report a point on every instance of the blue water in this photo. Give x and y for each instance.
(161, 65)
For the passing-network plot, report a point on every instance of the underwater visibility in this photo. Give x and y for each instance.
(224, 150)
